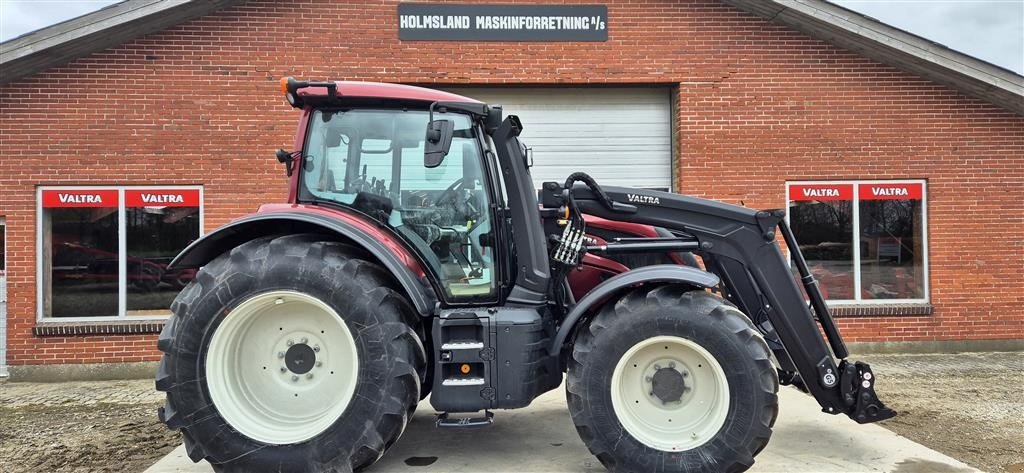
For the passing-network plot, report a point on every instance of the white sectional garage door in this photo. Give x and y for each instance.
(620, 136)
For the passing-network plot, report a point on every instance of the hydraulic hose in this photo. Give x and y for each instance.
(592, 184)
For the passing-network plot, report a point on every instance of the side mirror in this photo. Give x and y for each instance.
(286, 158)
(438, 142)
(493, 118)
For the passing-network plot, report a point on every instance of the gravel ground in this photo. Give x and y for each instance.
(968, 406)
(106, 426)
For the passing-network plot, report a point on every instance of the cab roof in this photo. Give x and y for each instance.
(381, 90)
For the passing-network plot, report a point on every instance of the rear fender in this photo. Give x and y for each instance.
(656, 274)
(398, 261)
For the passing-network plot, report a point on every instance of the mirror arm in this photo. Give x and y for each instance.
(288, 159)
(434, 135)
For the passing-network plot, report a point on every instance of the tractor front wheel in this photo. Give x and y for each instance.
(672, 380)
(290, 354)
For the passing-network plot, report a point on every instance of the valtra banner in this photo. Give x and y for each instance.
(820, 192)
(79, 198)
(161, 198)
(891, 191)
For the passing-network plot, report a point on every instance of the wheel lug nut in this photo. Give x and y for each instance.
(284, 370)
(316, 348)
(304, 340)
(289, 342)
(295, 377)
(309, 376)
(280, 354)
(671, 365)
(648, 379)
(657, 367)
(685, 374)
(319, 364)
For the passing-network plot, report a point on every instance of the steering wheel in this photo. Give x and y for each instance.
(449, 193)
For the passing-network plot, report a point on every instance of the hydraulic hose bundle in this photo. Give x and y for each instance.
(570, 245)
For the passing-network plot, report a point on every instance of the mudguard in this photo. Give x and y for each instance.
(660, 273)
(261, 224)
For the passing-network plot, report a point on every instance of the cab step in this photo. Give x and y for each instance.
(445, 420)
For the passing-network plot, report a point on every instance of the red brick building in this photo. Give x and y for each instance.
(129, 132)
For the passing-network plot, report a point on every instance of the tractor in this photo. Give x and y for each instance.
(415, 256)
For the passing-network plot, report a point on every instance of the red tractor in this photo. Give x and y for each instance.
(415, 257)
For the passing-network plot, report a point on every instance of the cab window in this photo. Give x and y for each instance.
(372, 161)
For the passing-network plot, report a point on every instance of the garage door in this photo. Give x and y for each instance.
(620, 136)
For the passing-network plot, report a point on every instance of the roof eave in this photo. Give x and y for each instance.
(892, 46)
(94, 32)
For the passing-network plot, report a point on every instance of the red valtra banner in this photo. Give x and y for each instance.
(820, 192)
(161, 198)
(890, 191)
(60, 198)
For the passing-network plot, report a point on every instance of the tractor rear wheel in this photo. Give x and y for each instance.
(672, 379)
(290, 354)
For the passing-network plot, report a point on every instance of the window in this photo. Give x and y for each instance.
(372, 161)
(864, 241)
(104, 251)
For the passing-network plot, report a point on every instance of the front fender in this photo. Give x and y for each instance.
(660, 273)
(398, 261)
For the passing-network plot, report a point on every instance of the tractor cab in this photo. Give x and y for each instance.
(371, 160)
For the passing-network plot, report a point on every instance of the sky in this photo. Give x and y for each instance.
(991, 30)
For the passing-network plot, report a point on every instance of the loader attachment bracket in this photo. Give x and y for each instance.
(857, 387)
(767, 220)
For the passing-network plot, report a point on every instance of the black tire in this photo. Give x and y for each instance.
(391, 355)
(696, 315)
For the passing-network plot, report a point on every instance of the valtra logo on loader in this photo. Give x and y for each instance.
(399, 270)
(643, 199)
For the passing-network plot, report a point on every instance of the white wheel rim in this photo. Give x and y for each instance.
(675, 425)
(255, 367)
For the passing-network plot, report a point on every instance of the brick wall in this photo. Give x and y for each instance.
(758, 104)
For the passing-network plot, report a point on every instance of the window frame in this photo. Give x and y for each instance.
(122, 251)
(3, 247)
(855, 239)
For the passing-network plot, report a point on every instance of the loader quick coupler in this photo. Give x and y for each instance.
(857, 386)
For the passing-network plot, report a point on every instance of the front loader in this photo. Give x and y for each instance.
(414, 257)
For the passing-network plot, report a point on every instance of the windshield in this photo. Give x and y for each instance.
(372, 161)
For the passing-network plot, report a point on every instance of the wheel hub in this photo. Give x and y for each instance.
(300, 358)
(668, 385)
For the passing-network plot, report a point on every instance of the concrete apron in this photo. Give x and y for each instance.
(542, 438)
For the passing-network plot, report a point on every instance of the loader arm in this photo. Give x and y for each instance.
(739, 245)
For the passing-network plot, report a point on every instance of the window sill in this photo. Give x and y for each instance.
(881, 310)
(106, 327)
